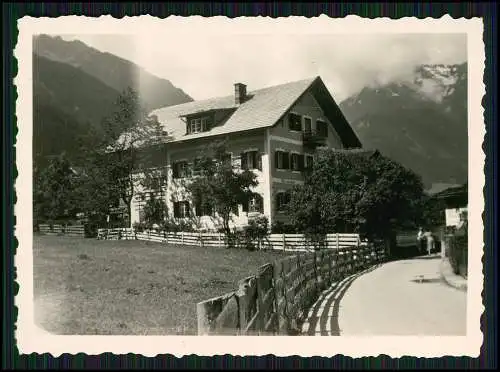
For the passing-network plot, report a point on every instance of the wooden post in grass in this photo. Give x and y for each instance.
(241, 295)
(284, 242)
(202, 318)
(220, 241)
(260, 305)
(182, 237)
(201, 242)
(338, 243)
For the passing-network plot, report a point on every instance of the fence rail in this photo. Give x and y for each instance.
(284, 242)
(67, 230)
(278, 297)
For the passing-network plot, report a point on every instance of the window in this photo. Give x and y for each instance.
(254, 204)
(227, 159)
(200, 124)
(180, 169)
(307, 125)
(142, 217)
(309, 159)
(297, 162)
(282, 200)
(295, 122)
(155, 183)
(322, 128)
(196, 164)
(236, 210)
(181, 209)
(282, 160)
(251, 160)
(203, 209)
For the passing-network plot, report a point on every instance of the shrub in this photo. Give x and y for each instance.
(174, 226)
(280, 227)
(139, 226)
(90, 230)
(255, 232)
(458, 249)
(458, 254)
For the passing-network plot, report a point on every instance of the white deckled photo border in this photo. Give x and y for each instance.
(32, 339)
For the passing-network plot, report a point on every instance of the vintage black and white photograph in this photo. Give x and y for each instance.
(251, 177)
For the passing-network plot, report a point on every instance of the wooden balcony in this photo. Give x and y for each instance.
(313, 139)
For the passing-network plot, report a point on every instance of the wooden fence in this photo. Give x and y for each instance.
(66, 230)
(406, 239)
(299, 243)
(180, 238)
(275, 300)
(284, 242)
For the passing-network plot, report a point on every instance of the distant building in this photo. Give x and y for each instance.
(273, 131)
(456, 202)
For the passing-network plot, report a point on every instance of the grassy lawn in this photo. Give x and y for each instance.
(88, 286)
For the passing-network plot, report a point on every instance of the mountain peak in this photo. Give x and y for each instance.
(116, 72)
(420, 122)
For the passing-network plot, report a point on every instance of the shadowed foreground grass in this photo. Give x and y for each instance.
(87, 286)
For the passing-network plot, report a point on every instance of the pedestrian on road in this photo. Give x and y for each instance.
(430, 241)
(421, 240)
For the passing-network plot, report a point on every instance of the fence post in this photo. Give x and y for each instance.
(202, 319)
(199, 237)
(260, 305)
(182, 237)
(443, 244)
(284, 242)
(338, 242)
(220, 241)
(241, 296)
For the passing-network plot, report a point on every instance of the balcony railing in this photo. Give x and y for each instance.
(313, 138)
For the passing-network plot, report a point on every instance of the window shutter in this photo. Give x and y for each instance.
(301, 162)
(243, 160)
(207, 123)
(245, 206)
(188, 127)
(286, 160)
(175, 170)
(176, 209)
(258, 157)
(276, 154)
(260, 204)
(187, 209)
(198, 209)
(209, 210)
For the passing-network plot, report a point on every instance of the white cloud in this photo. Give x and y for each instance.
(207, 65)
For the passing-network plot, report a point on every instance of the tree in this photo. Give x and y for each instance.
(433, 211)
(155, 211)
(220, 186)
(356, 191)
(55, 191)
(117, 167)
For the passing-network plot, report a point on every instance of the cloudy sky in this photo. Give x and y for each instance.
(205, 66)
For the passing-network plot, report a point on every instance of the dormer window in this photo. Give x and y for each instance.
(199, 124)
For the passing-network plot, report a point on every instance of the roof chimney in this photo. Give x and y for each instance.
(240, 93)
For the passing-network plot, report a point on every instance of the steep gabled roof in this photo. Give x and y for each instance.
(263, 108)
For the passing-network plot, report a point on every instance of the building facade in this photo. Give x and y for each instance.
(272, 131)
